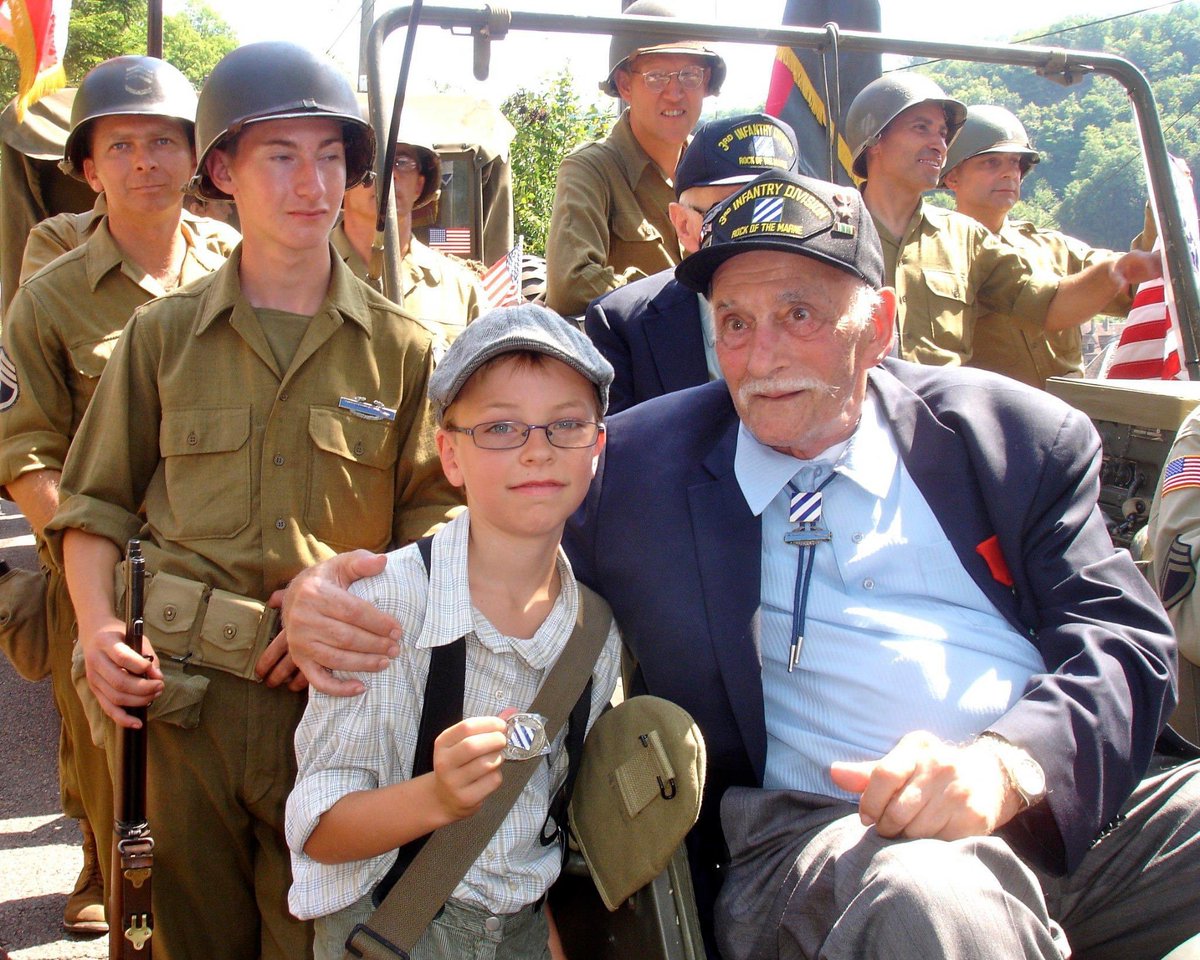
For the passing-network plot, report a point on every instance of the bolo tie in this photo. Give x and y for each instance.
(804, 510)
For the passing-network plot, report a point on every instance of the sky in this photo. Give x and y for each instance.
(442, 62)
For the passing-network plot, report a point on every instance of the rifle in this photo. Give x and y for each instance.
(131, 921)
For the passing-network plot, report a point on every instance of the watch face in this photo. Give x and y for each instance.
(1030, 778)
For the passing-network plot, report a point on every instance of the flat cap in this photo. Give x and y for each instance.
(528, 327)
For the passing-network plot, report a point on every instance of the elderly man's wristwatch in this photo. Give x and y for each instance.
(1025, 775)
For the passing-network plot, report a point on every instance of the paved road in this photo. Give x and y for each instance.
(39, 848)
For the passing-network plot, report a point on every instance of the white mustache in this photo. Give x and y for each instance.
(749, 389)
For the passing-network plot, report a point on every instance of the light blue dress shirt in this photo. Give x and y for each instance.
(898, 637)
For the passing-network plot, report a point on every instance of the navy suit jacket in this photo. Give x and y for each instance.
(650, 332)
(666, 536)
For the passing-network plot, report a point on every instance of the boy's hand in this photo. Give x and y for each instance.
(466, 764)
(328, 628)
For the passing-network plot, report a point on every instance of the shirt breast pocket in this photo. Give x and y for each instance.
(950, 299)
(633, 238)
(206, 453)
(88, 360)
(352, 480)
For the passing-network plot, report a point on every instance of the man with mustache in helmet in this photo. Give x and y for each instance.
(248, 425)
(946, 268)
(610, 223)
(132, 141)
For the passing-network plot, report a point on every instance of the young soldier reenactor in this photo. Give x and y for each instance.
(247, 426)
(610, 223)
(946, 268)
(131, 140)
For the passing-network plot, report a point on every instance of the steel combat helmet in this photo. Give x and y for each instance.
(882, 100)
(124, 86)
(276, 80)
(991, 129)
(624, 47)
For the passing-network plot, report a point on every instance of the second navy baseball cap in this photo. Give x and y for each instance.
(734, 150)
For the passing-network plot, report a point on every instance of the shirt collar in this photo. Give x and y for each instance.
(345, 296)
(450, 596)
(632, 159)
(869, 461)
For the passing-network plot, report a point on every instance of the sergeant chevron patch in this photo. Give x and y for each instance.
(8, 381)
(1179, 574)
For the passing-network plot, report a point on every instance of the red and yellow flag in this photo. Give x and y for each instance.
(27, 27)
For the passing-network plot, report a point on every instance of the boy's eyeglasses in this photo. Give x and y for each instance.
(689, 78)
(406, 164)
(510, 434)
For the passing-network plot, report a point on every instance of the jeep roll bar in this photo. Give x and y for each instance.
(487, 23)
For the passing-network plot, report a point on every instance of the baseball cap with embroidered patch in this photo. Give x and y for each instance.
(733, 150)
(793, 214)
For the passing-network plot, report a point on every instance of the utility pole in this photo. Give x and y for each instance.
(154, 29)
(364, 31)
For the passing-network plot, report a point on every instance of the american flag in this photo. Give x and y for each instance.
(1149, 345)
(1180, 473)
(455, 240)
(502, 282)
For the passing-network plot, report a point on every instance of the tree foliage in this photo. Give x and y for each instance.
(193, 39)
(1091, 181)
(550, 120)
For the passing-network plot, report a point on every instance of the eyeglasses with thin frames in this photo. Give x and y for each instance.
(690, 78)
(568, 434)
(406, 164)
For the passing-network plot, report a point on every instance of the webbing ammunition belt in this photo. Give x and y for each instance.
(191, 623)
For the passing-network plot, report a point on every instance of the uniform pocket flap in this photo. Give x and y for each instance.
(171, 605)
(352, 438)
(203, 431)
(231, 623)
(943, 283)
(632, 226)
(90, 358)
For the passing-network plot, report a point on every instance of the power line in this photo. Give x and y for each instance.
(1054, 33)
(357, 15)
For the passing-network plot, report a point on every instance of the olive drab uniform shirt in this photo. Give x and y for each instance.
(239, 474)
(610, 224)
(1023, 350)
(436, 289)
(948, 271)
(59, 332)
(56, 235)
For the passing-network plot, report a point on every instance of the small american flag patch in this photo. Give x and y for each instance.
(1182, 472)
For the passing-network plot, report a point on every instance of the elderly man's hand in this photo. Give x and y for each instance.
(327, 628)
(1136, 267)
(925, 788)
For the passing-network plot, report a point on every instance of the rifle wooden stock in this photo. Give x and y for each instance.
(131, 922)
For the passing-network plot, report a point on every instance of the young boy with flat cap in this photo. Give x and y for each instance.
(519, 396)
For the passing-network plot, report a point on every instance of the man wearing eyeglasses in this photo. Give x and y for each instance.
(610, 223)
(436, 288)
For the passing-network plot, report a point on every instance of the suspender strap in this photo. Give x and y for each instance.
(398, 922)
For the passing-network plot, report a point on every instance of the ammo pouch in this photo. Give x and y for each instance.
(23, 635)
(189, 622)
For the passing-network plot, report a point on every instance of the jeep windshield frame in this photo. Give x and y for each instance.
(1066, 66)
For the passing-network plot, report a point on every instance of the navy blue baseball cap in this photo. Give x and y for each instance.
(733, 150)
(793, 214)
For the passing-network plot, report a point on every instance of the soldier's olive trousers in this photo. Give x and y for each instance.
(85, 788)
(216, 804)
(808, 880)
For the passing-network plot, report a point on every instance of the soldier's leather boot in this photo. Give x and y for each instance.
(84, 912)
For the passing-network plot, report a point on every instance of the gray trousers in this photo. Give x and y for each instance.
(808, 880)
